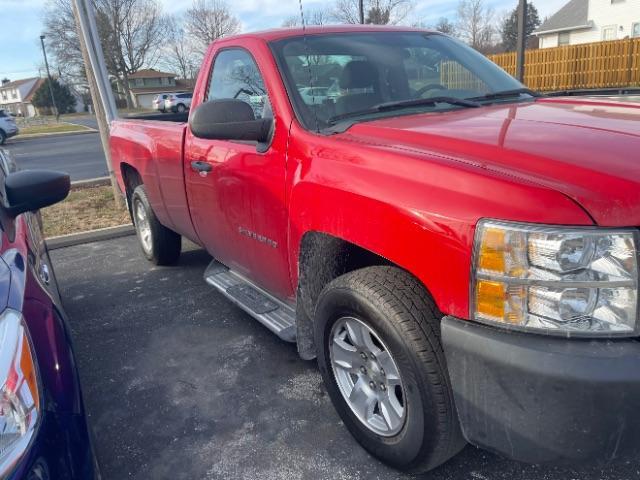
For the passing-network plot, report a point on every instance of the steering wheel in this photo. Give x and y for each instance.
(426, 88)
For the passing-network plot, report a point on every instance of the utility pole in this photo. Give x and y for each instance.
(99, 84)
(46, 64)
(361, 11)
(522, 39)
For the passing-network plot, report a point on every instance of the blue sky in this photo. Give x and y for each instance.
(21, 56)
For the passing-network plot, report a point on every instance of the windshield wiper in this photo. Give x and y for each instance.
(404, 104)
(508, 94)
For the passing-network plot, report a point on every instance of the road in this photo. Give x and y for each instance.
(81, 156)
(181, 384)
(85, 120)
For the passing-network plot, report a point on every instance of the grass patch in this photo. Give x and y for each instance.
(84, 209)
(52, 128)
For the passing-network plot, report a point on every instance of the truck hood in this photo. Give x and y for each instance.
(588, 149)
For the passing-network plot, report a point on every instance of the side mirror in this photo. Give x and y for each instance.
(31, 190)
(229, 120)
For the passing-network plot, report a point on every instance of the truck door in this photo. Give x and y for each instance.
(238, 207)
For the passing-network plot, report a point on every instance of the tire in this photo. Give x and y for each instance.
(181, 108)
(404, 322)
(159, 244)
(3, 137)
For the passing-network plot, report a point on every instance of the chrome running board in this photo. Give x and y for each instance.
(277, 316)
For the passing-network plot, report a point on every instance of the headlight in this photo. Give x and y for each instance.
(562, 280)
(19, 399)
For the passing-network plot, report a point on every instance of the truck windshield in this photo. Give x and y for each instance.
(340, 75)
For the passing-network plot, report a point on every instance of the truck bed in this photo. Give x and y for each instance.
(152, 147)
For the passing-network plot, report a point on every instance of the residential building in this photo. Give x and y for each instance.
(15, 97)
(145, 85)
(585, 21)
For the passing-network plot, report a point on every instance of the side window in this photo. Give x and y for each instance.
(236, 75)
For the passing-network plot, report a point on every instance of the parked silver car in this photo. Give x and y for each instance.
(178, 102)
(158, 102)
(8, 127)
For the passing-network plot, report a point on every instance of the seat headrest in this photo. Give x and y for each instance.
(359, 74)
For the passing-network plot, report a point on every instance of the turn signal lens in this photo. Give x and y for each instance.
(490, 299)
(492, 250)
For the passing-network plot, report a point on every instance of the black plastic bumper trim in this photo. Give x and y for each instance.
(544, 399)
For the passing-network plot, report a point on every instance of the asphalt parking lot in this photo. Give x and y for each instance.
(181, 384)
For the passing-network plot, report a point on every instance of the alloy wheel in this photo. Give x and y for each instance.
(142, 226)
(367, 376)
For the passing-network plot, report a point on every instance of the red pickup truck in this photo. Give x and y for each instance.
(458, 252)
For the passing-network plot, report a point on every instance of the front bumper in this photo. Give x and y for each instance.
(540, 399)
(13, 133)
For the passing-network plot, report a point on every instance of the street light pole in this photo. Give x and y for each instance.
(46, 64)
(361, 11)
(522, 39)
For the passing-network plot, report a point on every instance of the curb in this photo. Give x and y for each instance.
(92, 182)
(53, 134)
(101, 234)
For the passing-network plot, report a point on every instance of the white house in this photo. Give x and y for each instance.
(15, 96)
(585, 21)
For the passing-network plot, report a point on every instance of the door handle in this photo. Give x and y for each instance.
(203, 168)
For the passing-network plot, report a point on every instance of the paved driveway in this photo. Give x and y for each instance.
(180, 384)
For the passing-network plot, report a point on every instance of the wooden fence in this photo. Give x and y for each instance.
(590, 65)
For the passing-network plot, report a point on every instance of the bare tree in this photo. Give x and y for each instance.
(132, 33)
(313, 17)
(62, 40)
(180, 54)
(376, 11)
(135, 31)
(444, 25)
(291, 21)
(209, 20)
(476, 24)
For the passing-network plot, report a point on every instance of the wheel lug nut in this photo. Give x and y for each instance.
(382, 371)
(372, 385)
(383, 387)
(363, 370)
(363, 355)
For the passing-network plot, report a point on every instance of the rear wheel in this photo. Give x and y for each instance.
(159, 244)
(3, 137)
(379, 352)
(181, 108)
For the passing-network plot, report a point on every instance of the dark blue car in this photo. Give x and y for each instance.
(43, 428)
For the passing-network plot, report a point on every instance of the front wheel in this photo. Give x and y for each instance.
(159, 244)
(379, 352)
(181, 108)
